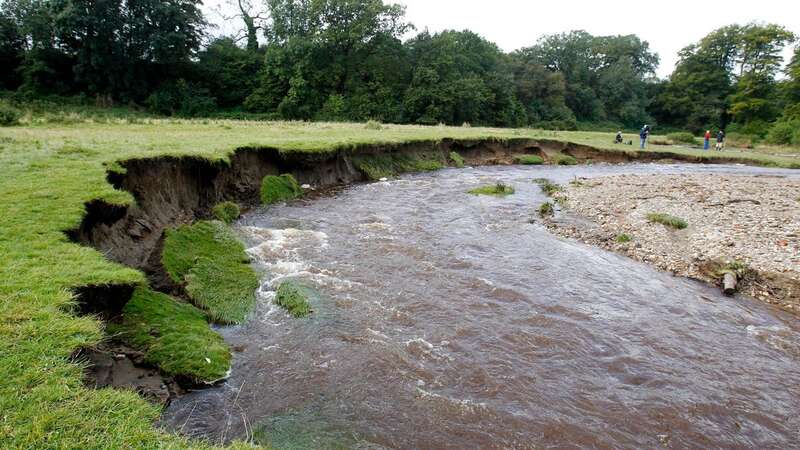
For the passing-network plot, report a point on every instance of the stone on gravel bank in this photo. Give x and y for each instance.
(754, 220)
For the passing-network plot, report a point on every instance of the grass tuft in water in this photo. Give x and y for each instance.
(668, 220)
(498, 189)
(174, 336)
(457, 160)
(226, 212)
(294, 297)
(546, 209)
(279, 188)
(548, 187)
(211, 262)
(533, 160)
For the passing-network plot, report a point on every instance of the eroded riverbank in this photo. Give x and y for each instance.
(752, 221)
(449, 320)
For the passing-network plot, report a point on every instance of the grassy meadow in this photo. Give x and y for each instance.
(48, 171)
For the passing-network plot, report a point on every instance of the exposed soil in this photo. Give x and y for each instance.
(754, 220)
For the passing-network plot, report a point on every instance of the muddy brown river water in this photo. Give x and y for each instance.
(447, 320)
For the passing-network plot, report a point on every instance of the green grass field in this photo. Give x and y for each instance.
(48, 172)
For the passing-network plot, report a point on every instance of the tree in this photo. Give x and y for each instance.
(229, 71)
(12, 52)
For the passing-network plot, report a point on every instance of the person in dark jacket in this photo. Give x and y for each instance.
(720, 140)
(644, 134)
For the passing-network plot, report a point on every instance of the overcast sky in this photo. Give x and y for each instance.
(667, 25)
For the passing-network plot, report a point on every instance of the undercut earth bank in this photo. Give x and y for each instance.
(743, 225)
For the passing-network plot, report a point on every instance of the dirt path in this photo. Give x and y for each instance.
(753, 220)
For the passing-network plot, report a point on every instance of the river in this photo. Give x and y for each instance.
(447, 320)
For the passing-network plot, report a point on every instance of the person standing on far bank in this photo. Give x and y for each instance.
(644, 134)
(707, 140)
(720, 140)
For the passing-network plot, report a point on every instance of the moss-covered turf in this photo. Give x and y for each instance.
(457, 160)
(50, 170)
(279, 188)
(531, 160)
(210, 261)
(174, 336)
(563, 160)
(388, 165)
(226, 212)
(667, 220)
(294, 296)
(498, 189)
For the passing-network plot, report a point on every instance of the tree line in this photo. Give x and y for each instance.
(354, 60)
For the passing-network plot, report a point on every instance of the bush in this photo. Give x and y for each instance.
(373, 125)
(181, 98)
(227, 212)
(741, 140)
(9, 116)
(279, 189)
(784, 133)
(682, 137)
(529, 159)
(668, 220)
(457, 160)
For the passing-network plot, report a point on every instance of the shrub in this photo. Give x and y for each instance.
(668, 220)
(499, 189)
(9, 116)
(783, 133)
(373, 125)
(294, 297)
(279, 189)
(546, 209)
(529, 159)
(741, 140)
(682, 137)
(227, 212)
(174, 336)
(564, 160)
(457, 160)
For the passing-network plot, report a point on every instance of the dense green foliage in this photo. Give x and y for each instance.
(668, 220)
(226, 212)
(279, 188)
(174, 336)
(211, 263)
(346, 60)
(682, 137)
(294, 297)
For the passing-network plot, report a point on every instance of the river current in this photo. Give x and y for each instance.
(448, 320)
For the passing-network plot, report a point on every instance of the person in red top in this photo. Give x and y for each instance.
(707, 143)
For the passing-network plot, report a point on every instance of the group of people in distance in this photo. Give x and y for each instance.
(644, 134)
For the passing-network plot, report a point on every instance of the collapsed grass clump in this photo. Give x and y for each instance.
(389, 165)
(211, 263)
(226, 212)
(174, 336)
(293, 296)
(623, 238)
(457, 160)
(667, 220)
(279, 188)
(563, 160)
(532, 160)
(498, 189)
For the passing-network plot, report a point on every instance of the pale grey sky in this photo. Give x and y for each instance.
(667, 26)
